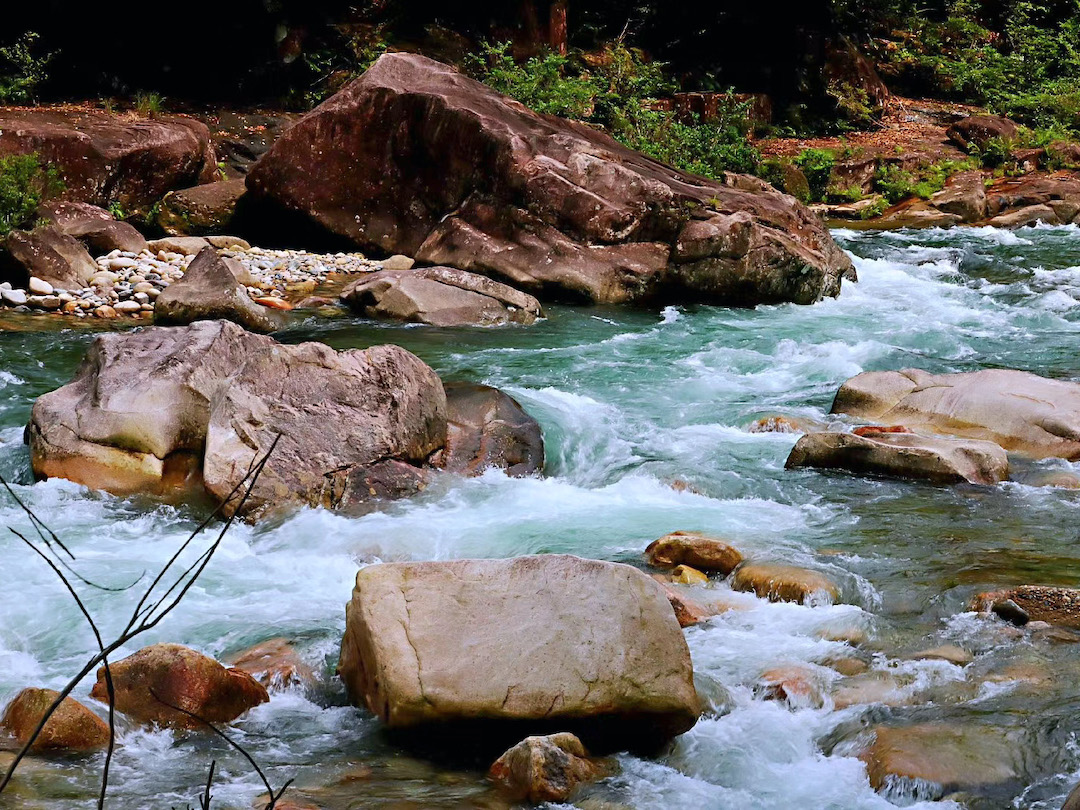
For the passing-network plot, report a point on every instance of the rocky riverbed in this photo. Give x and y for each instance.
(127, 283)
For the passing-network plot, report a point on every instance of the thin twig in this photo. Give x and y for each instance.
(141, 620)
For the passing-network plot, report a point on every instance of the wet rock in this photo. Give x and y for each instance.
(785, 583)
(440, 296)
(46, 254)
(950, 757)
(72, 728)
(948, 652)
(1012, 193)
(688, 611)
(554, 641)
(488, 428)
(795, 685)
(94, 227)
(275, 664)
(1072, 802)
(1022, 412)
(1029, 215)
(105, 158)
(545, 769)
(685, 575)
(695, 550)
(849, 666)
(783, 424)
(868, 689)
(1039, 603)
(201, 210)
(903, 455)
(210, 291)
(162, 674)
(977, 131)
(151, 411)
(964, 195)
(915, 214)
(474, 180)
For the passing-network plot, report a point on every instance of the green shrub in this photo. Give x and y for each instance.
(21, 71)
(149, 104)
(24, 183)
(618, 93)
(897, 184)
(817, 165)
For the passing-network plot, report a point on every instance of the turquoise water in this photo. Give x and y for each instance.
(632, 403)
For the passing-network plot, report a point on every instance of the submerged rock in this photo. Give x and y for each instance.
(545, 769)
(172, 674)
(209, 290)
(785, 583)
(903, 455)
(696, 550)
(275, 664)
(1022, 412)
(72, 727)
(553, 641)
(418, 159)
(155, 410)
(948, 757)
(440, 296)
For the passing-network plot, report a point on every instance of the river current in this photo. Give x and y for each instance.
(646, 417)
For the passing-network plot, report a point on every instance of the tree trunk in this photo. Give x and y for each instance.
(557, 28)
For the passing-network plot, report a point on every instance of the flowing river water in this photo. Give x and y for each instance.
(631, 402)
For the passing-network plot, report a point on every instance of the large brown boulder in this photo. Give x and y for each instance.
(48, 254)
(104, 158)
(182, 407)
(440, 296)
(903, 455)
(147, 681)
(526, 645)
(415, 158)
(208, 291)
(1059, 192)
(488, 428)
(785, 583)
(545, 769)
(94, 227)
(204, 209)
(1022, 412)
(72, 727)
(977, 131)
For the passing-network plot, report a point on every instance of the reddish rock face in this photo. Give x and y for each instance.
(488, 428)
(275, 664)
(415, 158)
(73, 727)
(105, 158)
(978, 130)
(544, 769)
(170, 673)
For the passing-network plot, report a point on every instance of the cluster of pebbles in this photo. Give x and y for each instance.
(127, 284)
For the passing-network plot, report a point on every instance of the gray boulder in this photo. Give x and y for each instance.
(48, 254)
(440, 296)
(903, 455)
(488, 428)
(527, 645)
(209, 290)
(1024, 413)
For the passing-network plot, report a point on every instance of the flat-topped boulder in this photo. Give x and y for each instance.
(785, 583)
(1022, 412)
(416, 158)
(522, 646)
(105, 158)
(205, 209)
(94, 227)
(440, 296)
(903, 455)
(210, 290)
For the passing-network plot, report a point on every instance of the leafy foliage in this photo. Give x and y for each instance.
(21, 71)
(817, 165)
(618, 91)
(24, 183)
